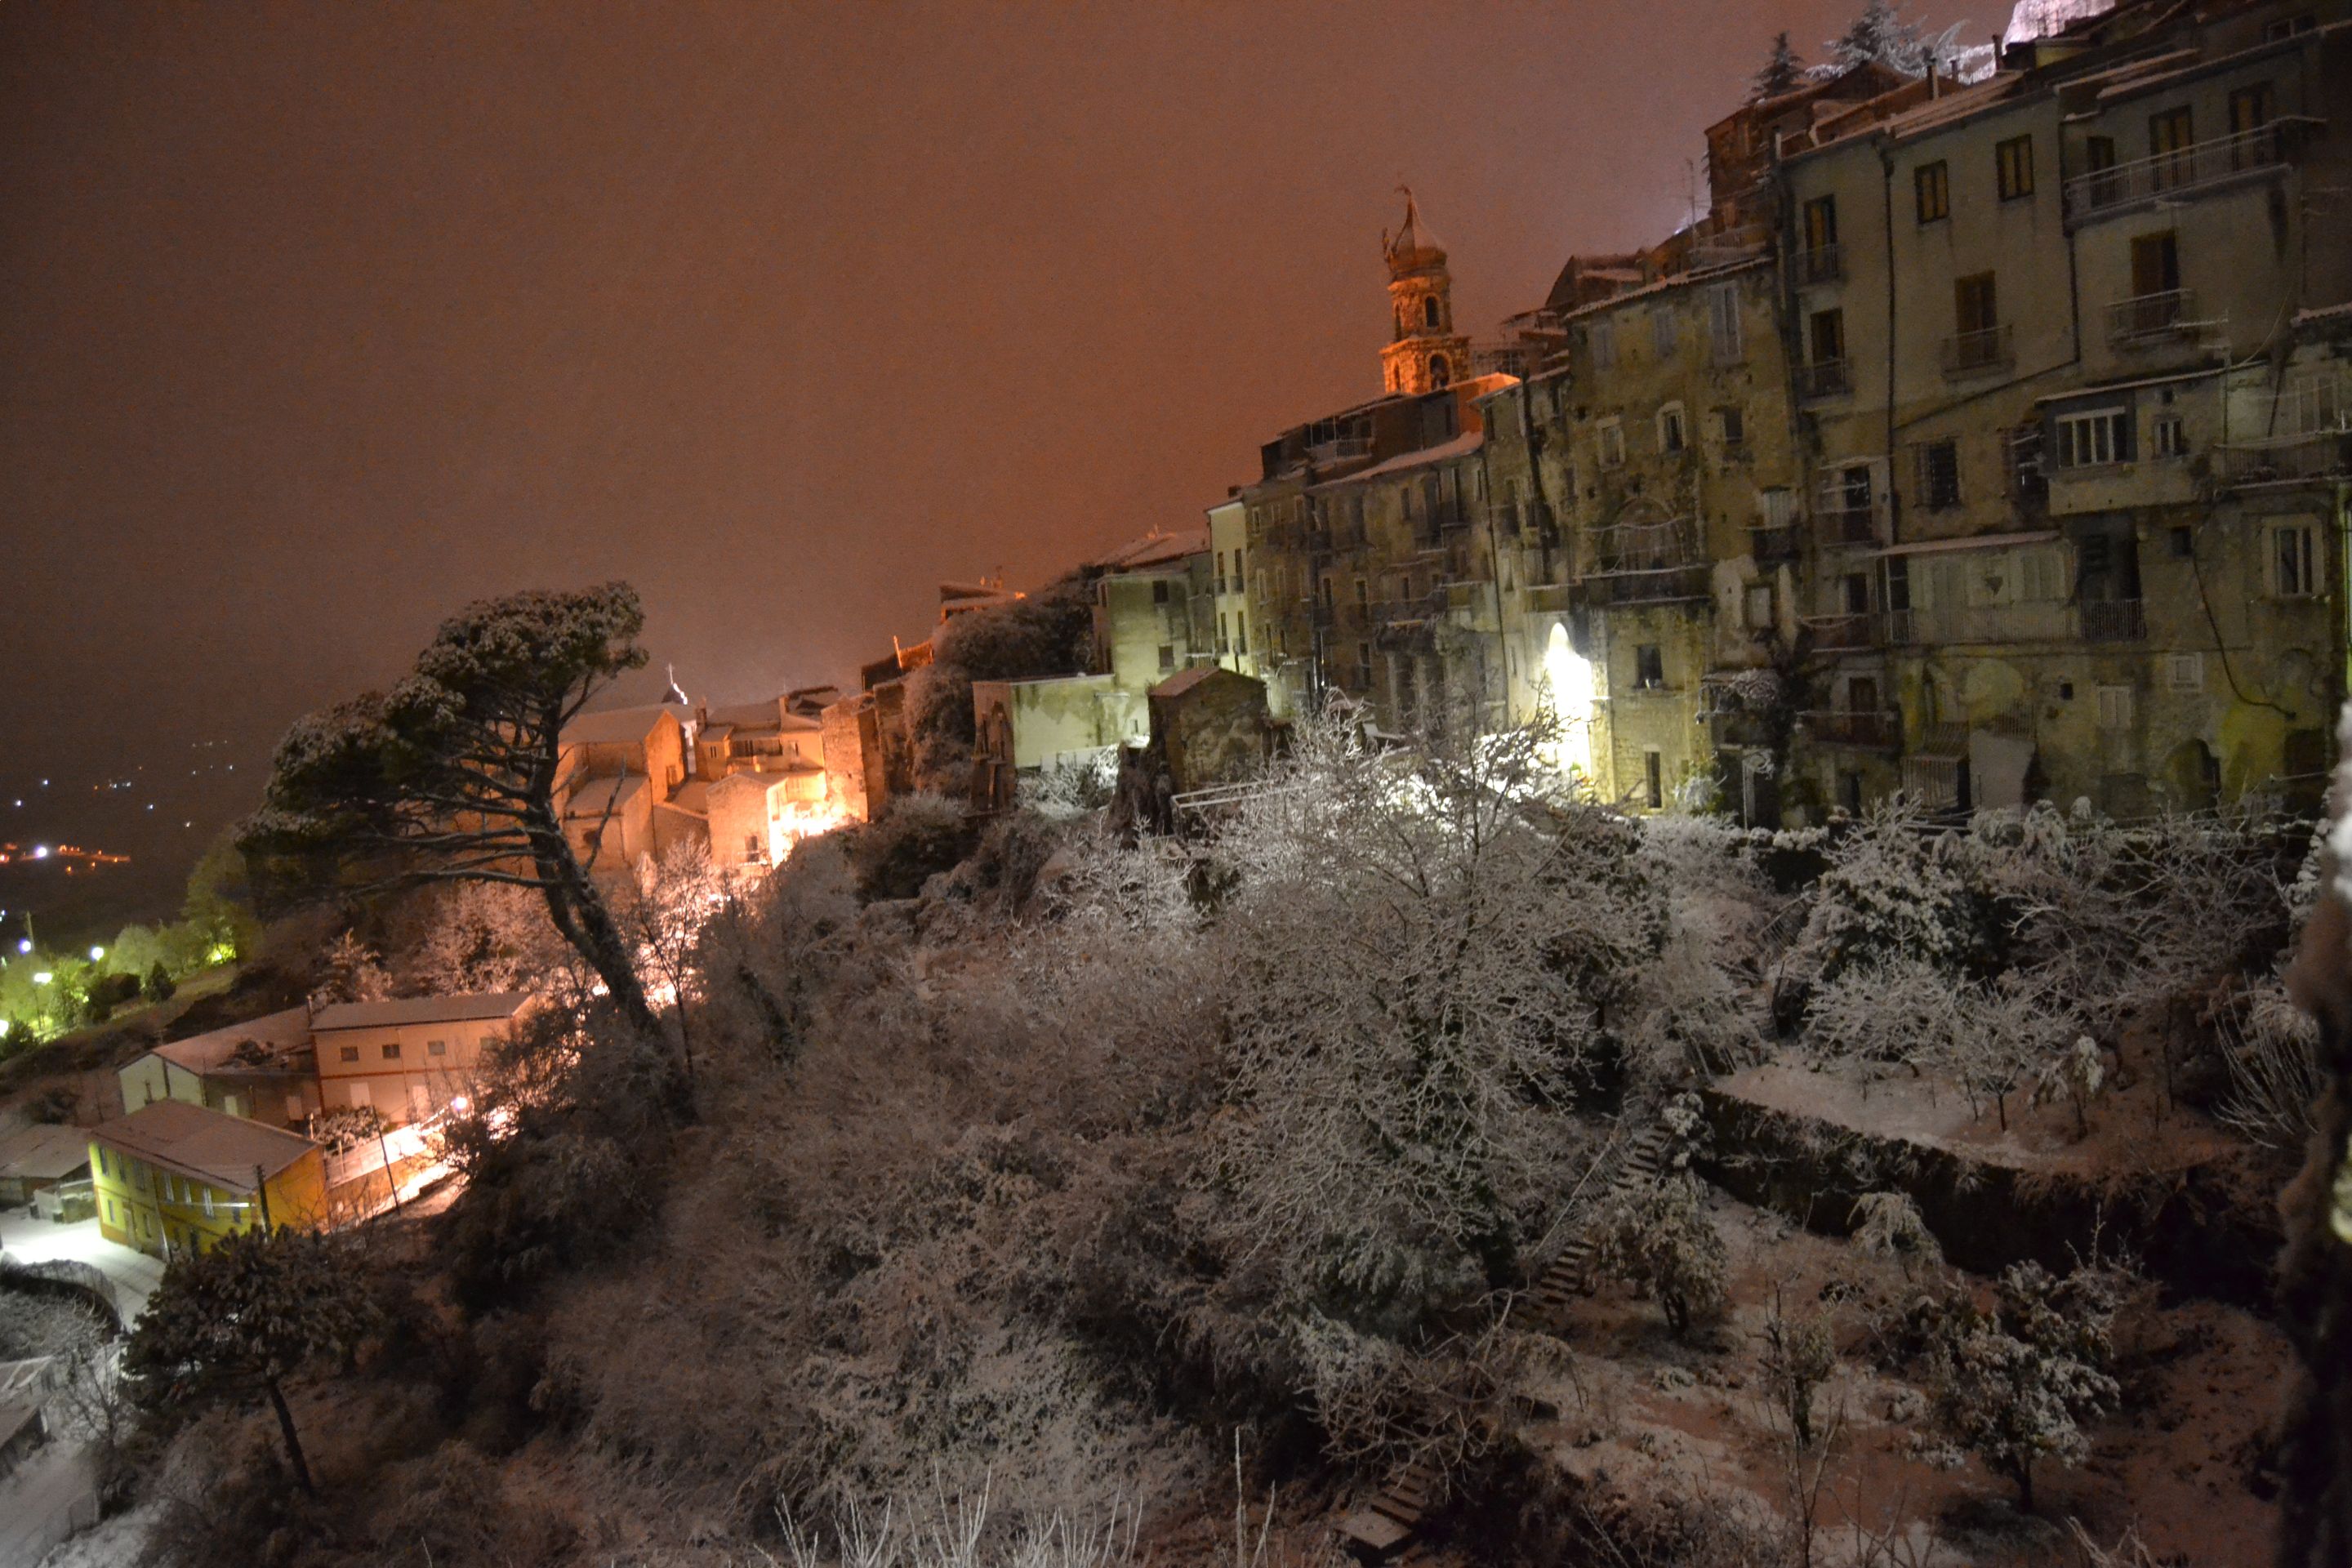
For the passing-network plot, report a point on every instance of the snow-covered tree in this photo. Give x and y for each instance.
(1889, 1224)
(451, 776)
(663, 918)
(1418, 944)
(2015, 1388)
(1656, 1238)
(234, 1323)
(1880, 34)
(351, 974)
(1782, 72)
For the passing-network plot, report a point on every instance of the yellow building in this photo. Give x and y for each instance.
(174, 1177)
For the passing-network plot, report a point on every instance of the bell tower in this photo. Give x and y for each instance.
(1423, 352)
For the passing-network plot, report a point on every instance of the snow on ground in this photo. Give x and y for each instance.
(134, 1273)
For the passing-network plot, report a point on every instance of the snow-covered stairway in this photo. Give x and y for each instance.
(1548, 1303)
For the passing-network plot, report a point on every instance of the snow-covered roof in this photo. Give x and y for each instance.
(595, 796)
(618, 724)
(464, 1007)
(271, 1038)
(1460, 447)
(1667, 285)
(43, 1153)
(2032, 19)
(1155, 549)
(206, 1145)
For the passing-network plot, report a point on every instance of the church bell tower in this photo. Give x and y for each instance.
(1423, 352)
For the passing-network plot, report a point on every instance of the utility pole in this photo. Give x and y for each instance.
(261, 1191)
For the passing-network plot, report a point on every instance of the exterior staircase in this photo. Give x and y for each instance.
(1387, 1529)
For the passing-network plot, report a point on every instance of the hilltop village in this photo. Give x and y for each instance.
(1671, 942)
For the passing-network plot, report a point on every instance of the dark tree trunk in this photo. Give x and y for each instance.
(579, 913)
(293, 1440)
(2024, 1473)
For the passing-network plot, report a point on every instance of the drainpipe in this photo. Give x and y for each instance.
(1887, 187)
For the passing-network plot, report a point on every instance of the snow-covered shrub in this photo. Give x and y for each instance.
(1656, 1238)
(919, 837)
(2271, 1050)
(1889, 1224)
(1689, 1009)
(342, 1128)
(1894, 888)
(1796, 1357)
(350, 972)
(1072, 786)
(2015, 1387)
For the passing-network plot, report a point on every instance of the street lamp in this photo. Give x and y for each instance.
(96, 953)
(42, 977)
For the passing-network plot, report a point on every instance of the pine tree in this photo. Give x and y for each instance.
(1782, 72)
(1881, 35)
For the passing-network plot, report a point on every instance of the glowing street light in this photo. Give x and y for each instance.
(96, 953)
(24, 944)
(42, 977)
(40, 851)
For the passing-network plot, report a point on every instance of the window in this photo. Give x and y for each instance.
(1364, 665)
(348, 1053)
(1166, 657)
(2169, 137)
(1240, 573)
(2090, 439)
(2289, 26)
(2042, 576)
(2100, 157)
(208, 1203)
(2294, 561)
(2168, 436)
(1429, 312)
(1664, 335)
(1779, 507)
(1241, 637)
(110, 1211)
(294, 1107)
(1723, 323)
(1759, 607)
(751, 857)
(1827, 332)
(1160, 590)
(391, 1051)
(1649, 667)
(1733, 423)
(1931, 183)
(2115, 707)
(1654, 778)
(1602, 339)
(2013, 164)
(2252, 110)
(1670, 428)
(2182, 544)
(1820, 226)
(1439, 372)
(2184, 671)
(1939, 473)
(2155, 263)
(1613, 444)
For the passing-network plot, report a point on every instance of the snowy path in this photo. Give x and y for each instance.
(54, 1490)
(135, 1275)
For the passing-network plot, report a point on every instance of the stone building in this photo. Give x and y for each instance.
(2021, 309)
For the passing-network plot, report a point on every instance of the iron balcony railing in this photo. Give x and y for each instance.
(1858, 729)
(1975, 352)
(2146, 319)
(2113, 620)
(1772, 542)
(1837, 634)
(1823, 378)
(2184, 171)
(1822, 264)
(1849, 521)
(1622, 582)
(2310, 455)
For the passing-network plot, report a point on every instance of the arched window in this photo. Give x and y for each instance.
(1438, 372)
(1429, 312)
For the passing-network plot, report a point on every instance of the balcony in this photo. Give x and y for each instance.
(1342, 449)
(1977, 353)
(2205, 166)
(1619, 584)
(1448, 515)
(1400, 614)
(1850, 520)
(1772, 542)
(2036, 621)
(2147, 320)
(1847, 634)
(2113, 620)
(1865, 729)
(1823, 378)
(2289, 459)
(1822, 264)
